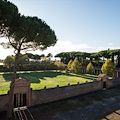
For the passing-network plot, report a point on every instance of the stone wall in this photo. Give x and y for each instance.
(53, 94)
(3, 102)
(58, 93)
(113, 82)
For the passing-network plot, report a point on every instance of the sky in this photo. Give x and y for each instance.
(80, 25)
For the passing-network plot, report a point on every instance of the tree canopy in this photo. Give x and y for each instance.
(90, 68)
(9, 61)
(69, 65)
(24, 33)
(67, 56)
(76, 65)
(8, 14)
(108, 67)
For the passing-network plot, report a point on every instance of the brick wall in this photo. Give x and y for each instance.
(58, 93)
(53, 94)
(113, 82)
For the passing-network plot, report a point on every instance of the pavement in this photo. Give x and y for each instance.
(92, 112)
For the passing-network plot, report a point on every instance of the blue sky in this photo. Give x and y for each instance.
(80, 25)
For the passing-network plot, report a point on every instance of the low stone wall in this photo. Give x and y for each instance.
(113, 82)
(53, 94)
(3, 102)
(58, 93)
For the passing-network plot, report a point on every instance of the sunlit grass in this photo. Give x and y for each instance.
(50, 79)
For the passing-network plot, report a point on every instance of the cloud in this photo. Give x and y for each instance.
(61, 46)
(65, 46)
(68, 46)
(110, 44)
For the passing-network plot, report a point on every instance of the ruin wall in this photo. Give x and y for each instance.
(58, 93)
(47, 95)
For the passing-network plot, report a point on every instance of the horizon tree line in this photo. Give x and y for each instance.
(97, 58)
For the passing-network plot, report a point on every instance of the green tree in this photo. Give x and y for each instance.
(24, 33)
(60, 65)
(9, 61)
(53, 66)
(76, 65)
(90, 68)
(8, 14)
(23, 61)
(108, 67)
(49, 55)
(69, 65)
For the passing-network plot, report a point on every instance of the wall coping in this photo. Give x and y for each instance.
(65, 86)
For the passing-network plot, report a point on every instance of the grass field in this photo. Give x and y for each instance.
(39, 79)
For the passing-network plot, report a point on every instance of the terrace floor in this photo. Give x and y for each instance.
(93, 106)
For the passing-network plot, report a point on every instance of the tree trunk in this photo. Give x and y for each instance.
(118, 60)
(98, 62)
(113, 58)
(10, 99)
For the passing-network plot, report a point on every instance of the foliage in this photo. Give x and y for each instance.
(85, 62)
(60, 65)
(49, 55)
(69, 65)
(9, 61)
(24, 32)
(108, 67)
(90, 68)
(76, 65)
(94, 57)
(23, 61)
(8, 15)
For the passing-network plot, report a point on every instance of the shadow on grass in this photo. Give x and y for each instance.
(7, 77)
(86, 76)
(89, 77)
(35, 76)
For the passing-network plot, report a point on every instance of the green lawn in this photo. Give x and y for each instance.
(39, 79)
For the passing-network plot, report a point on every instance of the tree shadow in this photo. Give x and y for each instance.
(8, 76)
(89, 77)
(86, 76)
(36, 76)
